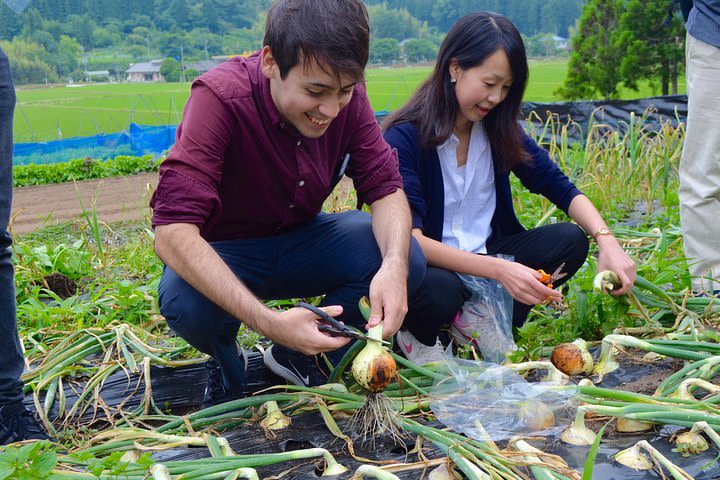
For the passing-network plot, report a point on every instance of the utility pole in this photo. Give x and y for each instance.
(84, 62)
(182, 64)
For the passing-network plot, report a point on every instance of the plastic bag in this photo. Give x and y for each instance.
(487, 318)
(487, 401)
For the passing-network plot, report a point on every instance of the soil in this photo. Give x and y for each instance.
(61, 285)
(114, 199)
(117, 199)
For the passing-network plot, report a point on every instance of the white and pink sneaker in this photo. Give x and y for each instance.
(416, 351)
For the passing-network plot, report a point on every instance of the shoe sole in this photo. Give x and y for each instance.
(281, 370)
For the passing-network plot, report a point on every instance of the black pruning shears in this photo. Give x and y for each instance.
(335, 328)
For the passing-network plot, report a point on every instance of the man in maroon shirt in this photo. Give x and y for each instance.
(237, 211)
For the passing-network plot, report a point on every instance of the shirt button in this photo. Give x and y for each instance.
(299, 142)
(301, 183)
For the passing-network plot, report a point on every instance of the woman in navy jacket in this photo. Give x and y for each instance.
(458, 139)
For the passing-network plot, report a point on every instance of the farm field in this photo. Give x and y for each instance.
(45, 114)
(89, 320)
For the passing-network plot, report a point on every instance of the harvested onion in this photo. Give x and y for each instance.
(374, 368)
(572, 358)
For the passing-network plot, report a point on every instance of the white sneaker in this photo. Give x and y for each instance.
(416, 351)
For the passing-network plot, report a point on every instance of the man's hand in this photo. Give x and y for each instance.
(297, 329)
(388, 297)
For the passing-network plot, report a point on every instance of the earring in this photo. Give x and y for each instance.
(453, 80)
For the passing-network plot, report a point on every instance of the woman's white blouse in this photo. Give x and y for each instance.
(469, 192)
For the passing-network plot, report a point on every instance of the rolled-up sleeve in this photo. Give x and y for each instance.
(373, 164)
(187, 191)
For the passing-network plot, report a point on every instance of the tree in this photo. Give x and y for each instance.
(10, 23)
(384, 51)
(420, 50)
(170, 69)
(541, 45)
(29, 61)
(169, 44)
(68, 56)
(594, 65)
(211, 16)
(653, 47)
(179, 11)
(81, 28)
(388, 23)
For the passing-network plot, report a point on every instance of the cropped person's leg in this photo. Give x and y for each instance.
(699, 190)
(544, 247)
(16, 422)
(11, 357)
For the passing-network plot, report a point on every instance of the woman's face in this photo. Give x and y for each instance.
(481, 88)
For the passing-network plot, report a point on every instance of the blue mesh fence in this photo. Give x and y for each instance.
(137, 140)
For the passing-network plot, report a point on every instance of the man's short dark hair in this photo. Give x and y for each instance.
(334, 33)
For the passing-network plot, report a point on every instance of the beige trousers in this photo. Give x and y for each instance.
(700, 166)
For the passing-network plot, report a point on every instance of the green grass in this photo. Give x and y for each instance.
(45, 114)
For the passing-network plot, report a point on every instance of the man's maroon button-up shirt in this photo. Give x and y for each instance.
(238, 171)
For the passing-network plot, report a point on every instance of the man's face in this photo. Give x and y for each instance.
(308, 98)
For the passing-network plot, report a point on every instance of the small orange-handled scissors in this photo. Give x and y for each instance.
(549, 280)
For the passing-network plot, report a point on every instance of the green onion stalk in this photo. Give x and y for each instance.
(606, 363)
(208, 468)
(704, 369)
(484, 454)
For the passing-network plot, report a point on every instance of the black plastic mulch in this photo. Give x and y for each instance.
(180, 391)
(614, 113)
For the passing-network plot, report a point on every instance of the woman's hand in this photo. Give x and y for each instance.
(613, 257)
(523, 284)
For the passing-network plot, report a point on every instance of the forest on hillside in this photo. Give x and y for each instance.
(58, 40)
(611, 42)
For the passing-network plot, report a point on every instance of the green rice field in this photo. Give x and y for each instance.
(55, 112)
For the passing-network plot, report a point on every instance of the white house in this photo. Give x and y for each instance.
(145, 72)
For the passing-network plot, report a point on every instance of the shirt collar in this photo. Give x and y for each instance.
(266, 96)
(452, 141)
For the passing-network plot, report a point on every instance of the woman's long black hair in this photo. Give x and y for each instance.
(433, 107)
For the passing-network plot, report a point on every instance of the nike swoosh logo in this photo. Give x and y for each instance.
(305, 379)
(408, 347)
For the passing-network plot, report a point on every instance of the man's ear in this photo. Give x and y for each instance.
(269, 66)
